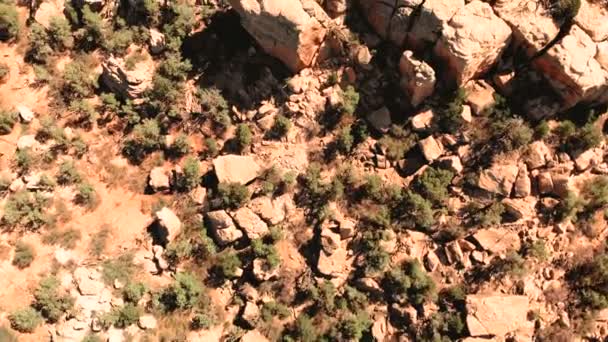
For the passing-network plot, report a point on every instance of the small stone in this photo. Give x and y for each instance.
(147, 322)
(431, 148)
(26, 114)
(422, 121)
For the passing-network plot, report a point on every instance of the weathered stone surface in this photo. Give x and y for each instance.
(422, 121)
(497, 240)
(254, 336)
(25, 113)
(334, 265)
(432, 15)
(523, 185)
(273, 211)
(291, 31)
(588, 158)
(262, 271)
(156, 41)
(88, 281)
(592, 17)
(250, 223)
(223, 227)
(417, 78)
(390, 20)
(520, 208)
(170, 222)
(431, 148)
(498, 179)
(480, 96)
(496, 314)
(147, 322)
(537, 155)
(236, 169)
(126, 83)
(251, 313)
(472, 41)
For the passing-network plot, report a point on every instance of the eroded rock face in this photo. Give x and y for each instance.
(390, 19)
(223, 228)
(592, 17)
(498, 179)
(128, 83)
(496, 314)
(290, 30)
(417, 78)
(472, 41)
(433, 14)
(250, 223)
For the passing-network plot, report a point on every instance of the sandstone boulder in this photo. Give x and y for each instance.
(250, 223)
(391, 20)
(417, 78)
(537, 155)
(432, 15)
(236, 169)
(169, 223)
(223, 228)
(498, 179)
(523, 185)
(422, 121)
(147, 322)
(496, 240)
(290, 30)
(472, 41)
(159, 179)
(496, 314)
(128, 83)
(431, 148)
(592, 17)
(25, 113)
(520, 208)
(88, 281)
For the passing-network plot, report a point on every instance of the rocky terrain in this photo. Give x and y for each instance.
(303, 170)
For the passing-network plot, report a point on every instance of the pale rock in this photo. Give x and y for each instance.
(236, 169)
(422, 121)
(380, 327)
(498, 179)
(497, 241)
(27, 142)
(432, 15)
(417, 78)
(17, 185)
(361, 55)
(156, 41)
(147, 322)
(431, 148)
(592, 17)
(128, 84)
(454, 253)
(253, 226)
(88, 281)
(223, 227)
(523, 184)
(71, 330)
(520, 208)
(431, 261)
(334, 265)
(391, 20)
(537, 155)
(472, 41)
(274, 210)
(480, 96)
(63, 257)
(170, 223)
(199, 195)
(115, 335)
(588, 158)
(496, 314)
(330, 241)
(25, 113)
(466, 114)
(159, 179)
(254, 336)
(380, 119)
(251, 313)
(291, 31)
(47, 10)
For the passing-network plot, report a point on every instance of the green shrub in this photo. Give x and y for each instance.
(233, 195)
(584, 138)
(121, 269)
(202, 321)
(374, 187)
(39, 49)
(26, 209)
(181, 22)
(92, 337)
(192, 174)
(280, 128)
(449, 111)
(569, 207)
(7, 335)
(442, 326)
(345, 140)
(78, 80)
(66, 238)
(9, 21)
(565, 9)
(304, 329)
(99, 241)
(121, 317)
(537, 249)
(267, 252)
(566, 129)
(83, 112)
(228, 263)
(87, 196)
(184, 293)
(513, 265)
(174, 67)
(24, 255)
(433, 183)
(595, 192)
(215, 105)
(25, 320)
(590, 281)
(324, 296)
(68, 173)
(147, 134)
(180, 146)
(117, 42)
(490, 216)
(352, 328)
(93, 28)
(542, 130)
(24, 159)
(350, 100)
(410, 284)
(60, 34)
(397, 143)
(50, 301)
(211, 149)
(376, 258)
(274, 309)
(243, 136)
(7, 121)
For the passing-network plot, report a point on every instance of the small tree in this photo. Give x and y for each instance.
(68, 173)
(215, 105)
(192, 173)
(60, 34)
(78, 80)
(350, 100)
(87, 195)
(243, 136)
(228, 262)
(24, 255)
(183, 294)
(133, 292)
(233, 195)
(24, 209)
(49, 301)
(410, 284)
(39, 49)
(7, 121)
(25, 320)
(281, 127)
(9, 21)
(433, 183)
